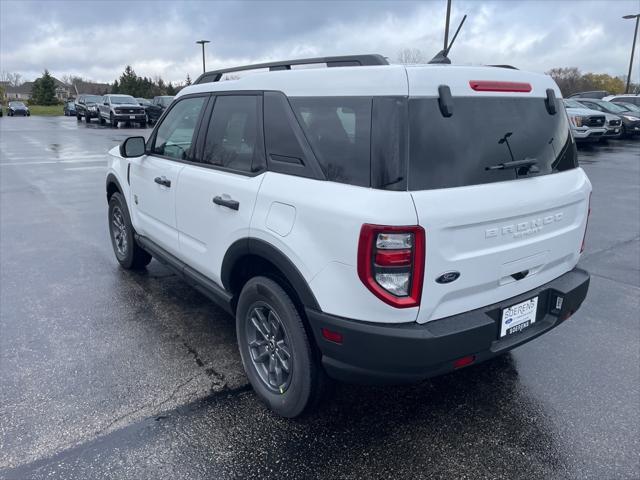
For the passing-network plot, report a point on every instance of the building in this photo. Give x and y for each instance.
(23, 91)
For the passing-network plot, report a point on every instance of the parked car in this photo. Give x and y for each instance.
(157, 107)
(17, 109)
(87, 107)
(630, 122)
(69, 108)
(146, 104)
(591, 94)
(612, 124)
(121, 108)
(352, 230)
(630, 107)
(633, 98)
(586, 125)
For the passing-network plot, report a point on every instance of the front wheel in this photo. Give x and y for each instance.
(127, 251)
(275, 350)
(113, 121)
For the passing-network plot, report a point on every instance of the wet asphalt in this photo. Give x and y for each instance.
(112, 374)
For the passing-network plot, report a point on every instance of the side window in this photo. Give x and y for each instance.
(234, 137)
(339, 131)
(174, 136)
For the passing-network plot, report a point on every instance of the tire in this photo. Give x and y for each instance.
(87, 118)
(303, 387)
(102, 120)
(127, 251)
(623, 132)
(113, 121)
(78, 117)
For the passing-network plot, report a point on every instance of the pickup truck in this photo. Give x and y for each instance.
(121, 108)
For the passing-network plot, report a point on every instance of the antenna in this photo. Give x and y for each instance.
(441, 56)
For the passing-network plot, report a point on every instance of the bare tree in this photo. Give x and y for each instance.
(408, 56)
(13, 79)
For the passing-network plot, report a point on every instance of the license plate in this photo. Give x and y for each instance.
(132, 117)
(518, 317)
(617, 130)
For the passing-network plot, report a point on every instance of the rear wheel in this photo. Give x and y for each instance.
(276, 351)
(127, 251)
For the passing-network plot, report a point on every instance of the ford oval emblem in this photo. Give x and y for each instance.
(448, 277)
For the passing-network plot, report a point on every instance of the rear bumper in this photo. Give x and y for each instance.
(399, 353)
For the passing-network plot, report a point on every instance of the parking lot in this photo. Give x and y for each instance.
(106, 373)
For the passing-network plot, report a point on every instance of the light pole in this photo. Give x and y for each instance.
(633, 48)
(202, 42)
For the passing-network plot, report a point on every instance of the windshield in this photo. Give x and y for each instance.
(124, 99)
(92, 99)
(143, 101)
(573, 104)
(629, 107)
(483, 132)
(16, 104)
(608, 106)
(165, 101)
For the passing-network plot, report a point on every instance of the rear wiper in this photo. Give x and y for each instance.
(528, 163)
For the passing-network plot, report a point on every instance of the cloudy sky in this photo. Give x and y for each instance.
(96, 39)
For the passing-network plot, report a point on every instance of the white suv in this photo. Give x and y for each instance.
(365, 222)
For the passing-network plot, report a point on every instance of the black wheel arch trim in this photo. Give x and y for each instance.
(260, 248)
(111, 178)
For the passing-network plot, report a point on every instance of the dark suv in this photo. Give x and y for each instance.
(157, 107)
(87, 107)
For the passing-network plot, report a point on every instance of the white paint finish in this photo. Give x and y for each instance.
(155, 211)
(424, 80)
(462, 237)
(329, 217)
(281, 218)
(334, 81)
(207, 230)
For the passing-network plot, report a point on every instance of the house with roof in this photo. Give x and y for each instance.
(23, 91)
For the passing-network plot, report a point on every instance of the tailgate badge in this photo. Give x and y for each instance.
(448, 277)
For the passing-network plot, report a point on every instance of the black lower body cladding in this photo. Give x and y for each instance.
(400, 353)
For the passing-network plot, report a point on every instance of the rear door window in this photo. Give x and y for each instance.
(339, 132)
(234, 138)
(456, 151)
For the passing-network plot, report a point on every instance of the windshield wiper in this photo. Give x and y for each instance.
(528, 163)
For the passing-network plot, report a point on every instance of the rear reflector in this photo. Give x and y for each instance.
(493, 86)
(464, 361)
(335, 337)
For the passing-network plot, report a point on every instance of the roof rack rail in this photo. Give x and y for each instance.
(504, 66)
(342, 61)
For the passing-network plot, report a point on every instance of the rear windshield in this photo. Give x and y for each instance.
(483, 132)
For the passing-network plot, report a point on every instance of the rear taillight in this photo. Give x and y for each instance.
(584, 237)
(498, 86)
(391, 263)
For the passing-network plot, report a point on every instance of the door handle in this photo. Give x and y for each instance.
(163, 181)
(232, 204)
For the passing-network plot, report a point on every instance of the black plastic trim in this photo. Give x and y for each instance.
(111, 178)
(260, 248)
(408, 352)
(341, 61)
(201, 283)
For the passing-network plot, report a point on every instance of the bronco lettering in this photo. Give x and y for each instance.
(523, 229)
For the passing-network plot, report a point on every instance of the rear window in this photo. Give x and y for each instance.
(455, 151)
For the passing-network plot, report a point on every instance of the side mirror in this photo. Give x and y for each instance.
(132, 147)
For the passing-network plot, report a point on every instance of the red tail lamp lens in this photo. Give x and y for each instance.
(393, 258)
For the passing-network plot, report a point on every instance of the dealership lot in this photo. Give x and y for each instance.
(112, 374)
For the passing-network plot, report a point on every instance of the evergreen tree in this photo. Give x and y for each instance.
(170, 89)
(187, 81)
(115, 88)
(44, 90)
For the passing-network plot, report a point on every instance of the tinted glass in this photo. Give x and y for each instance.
(339, 132)
(92, 99)
(482, 132)
(388, 143)
(174, 136)
(233, 137)
(125, 99)
(280, 137)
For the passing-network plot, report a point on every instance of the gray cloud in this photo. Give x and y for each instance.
(97, 39)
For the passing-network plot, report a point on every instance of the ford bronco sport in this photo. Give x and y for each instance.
(364, 222)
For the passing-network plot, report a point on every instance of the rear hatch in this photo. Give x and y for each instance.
(499, 231)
